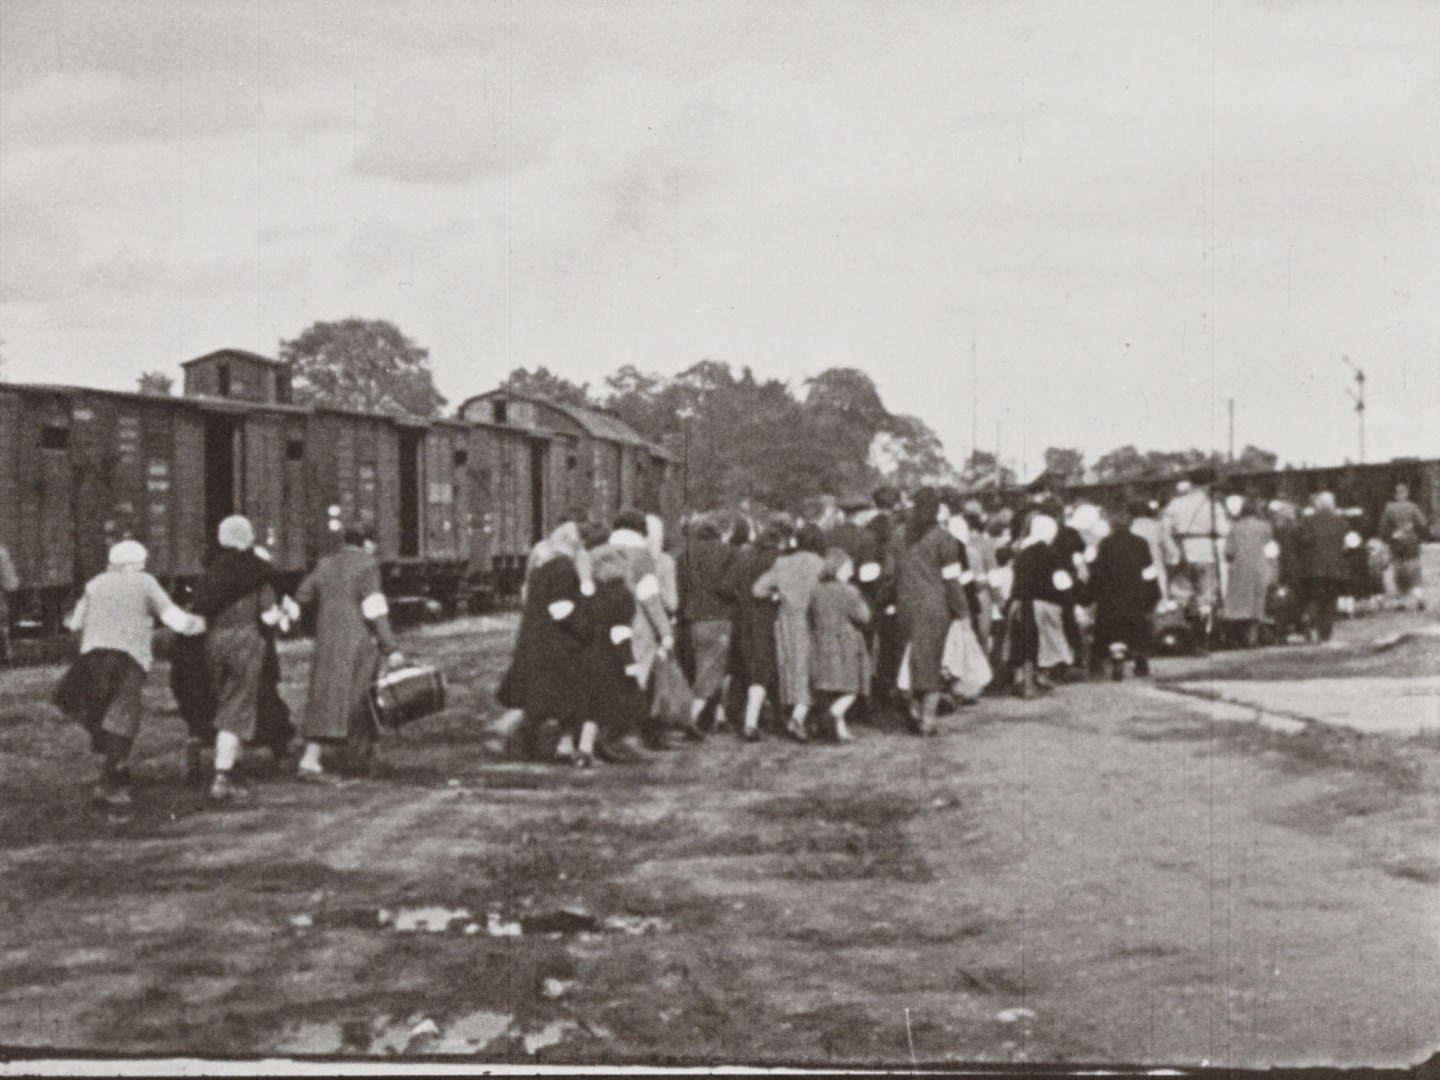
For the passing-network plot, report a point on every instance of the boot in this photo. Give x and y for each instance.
(1028, 688)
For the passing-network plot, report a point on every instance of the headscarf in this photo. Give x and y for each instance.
(236, 532)
(128, 555)
(835, 559)
(1043, 530)
(959, 528)
(608, 563)
(566, 541)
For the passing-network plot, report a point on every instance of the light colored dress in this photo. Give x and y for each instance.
(1253, 568)
(792, 579)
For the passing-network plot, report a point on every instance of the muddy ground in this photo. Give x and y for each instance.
(1101, 875)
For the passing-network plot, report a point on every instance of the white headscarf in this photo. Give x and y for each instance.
(128, 555)
(959, 528)
(236, 532)
(1043, 530)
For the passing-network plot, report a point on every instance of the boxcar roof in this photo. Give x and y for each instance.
(595, 422)
(244, 354)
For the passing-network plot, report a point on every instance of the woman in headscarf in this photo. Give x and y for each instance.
(1251, 552)
(932, 574)
(839, 660)
(236, 595)
(546, 676)
(1037, 632)
(754, 656)
(790, 583)
(102, 690)
(616, 701)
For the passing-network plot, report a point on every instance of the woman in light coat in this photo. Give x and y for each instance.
(790, 583)
(1252, 554)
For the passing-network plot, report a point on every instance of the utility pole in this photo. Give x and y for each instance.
(1358, 396)
(1230, 407)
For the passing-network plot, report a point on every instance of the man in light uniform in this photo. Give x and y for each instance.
(1193, 530)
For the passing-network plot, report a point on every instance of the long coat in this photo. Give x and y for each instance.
(616, 701)
(929, 593)
(792, 579)
(347, 644)
(547, 672)
(1125, 585)
(752, 643)
(839, 660)
(1252, 570)
(1320, 540)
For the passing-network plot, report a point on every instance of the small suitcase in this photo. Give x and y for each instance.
(409, 694)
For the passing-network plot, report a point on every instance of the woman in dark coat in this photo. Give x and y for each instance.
(546, 676)
(931, 575)
(616, 700)
(1125, 584)
(753, 644)
(1034, 630)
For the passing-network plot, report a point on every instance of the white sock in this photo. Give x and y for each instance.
(565, 747)
(227, 749)
(588, 731)
(754, 701)
(311, 761)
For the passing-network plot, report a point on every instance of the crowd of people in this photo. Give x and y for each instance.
(901, 603)
(892, 605)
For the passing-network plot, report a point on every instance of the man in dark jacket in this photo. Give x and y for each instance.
(877, 585)
(1125, 585)
(1320, 539)
(707, 602)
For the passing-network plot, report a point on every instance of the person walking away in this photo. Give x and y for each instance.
(1069, 549)
(1356, 586)
(706, 613)
(352, 631)
(879, 593)
(929, 593)
(1125, 583)
(1320, 539)
(839, 660)
(616, 701)
(1194, 526)
(1145, 524)
(1251, 551)
(1403, 527)
(103, 689)
(1287, 601)
(654, 637)
(9, 583)
(236, 596)
(756, 666)
(1034, 629)
(790, 582)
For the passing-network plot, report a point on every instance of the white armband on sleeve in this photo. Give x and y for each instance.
(587, 588)
(175, 619)
(290, 608)
(966, 577)
(374, 606)
(996, 578)
(951, 572)
(1062, 580)
(620, 634)
(561, 609)
(1272, 550)
(1352, 541)
(1091, 553)
(869, 572)
(272, 617)
(1150, 573)
(648, 588)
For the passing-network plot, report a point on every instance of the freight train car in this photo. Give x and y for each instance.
(455, 503)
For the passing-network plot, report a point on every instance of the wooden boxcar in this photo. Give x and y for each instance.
(455, 504)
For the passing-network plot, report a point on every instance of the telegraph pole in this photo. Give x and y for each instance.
(1358, 396)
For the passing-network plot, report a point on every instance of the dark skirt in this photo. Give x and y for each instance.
(102, 692)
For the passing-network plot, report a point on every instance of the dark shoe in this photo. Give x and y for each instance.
(619, 752)
(691, 732)
(584, 760)
(223, 789)
(1142, 667)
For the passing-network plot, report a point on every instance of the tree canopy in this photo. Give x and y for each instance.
(543, 383)
(365, 364)
(156, 384)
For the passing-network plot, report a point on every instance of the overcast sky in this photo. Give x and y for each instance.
(1130, 211)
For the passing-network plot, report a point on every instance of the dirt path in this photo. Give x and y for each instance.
(1103, 875)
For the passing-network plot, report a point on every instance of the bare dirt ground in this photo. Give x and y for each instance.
(1101, 875)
